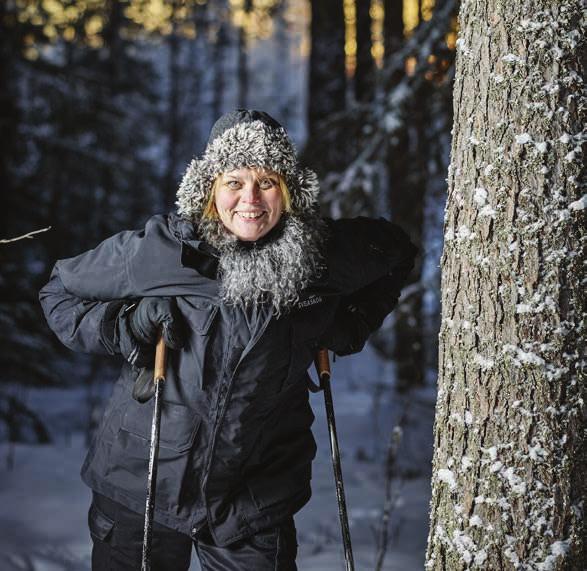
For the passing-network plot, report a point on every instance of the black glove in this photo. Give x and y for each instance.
(131, 329)
(149, 316)
(347, 333)
(154, 313)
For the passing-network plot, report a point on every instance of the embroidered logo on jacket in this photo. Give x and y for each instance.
(312, 300)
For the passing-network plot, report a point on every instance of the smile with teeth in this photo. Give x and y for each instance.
(250, 215)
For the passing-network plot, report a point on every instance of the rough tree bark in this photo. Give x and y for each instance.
(510, 465)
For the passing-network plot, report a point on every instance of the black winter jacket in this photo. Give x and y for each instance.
(236, 445)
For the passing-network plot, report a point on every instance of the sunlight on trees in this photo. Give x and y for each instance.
(84, 21)
(377, 48)
(350, 34)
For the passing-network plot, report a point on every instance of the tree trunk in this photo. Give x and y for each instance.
(173, 113)
(510, 464)
(243, 61)
(327, 83)
(11, 144)
(218, 65)
(364, 74)
(282, 64)
(393, 26)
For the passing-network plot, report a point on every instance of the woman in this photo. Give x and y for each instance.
(246, 282)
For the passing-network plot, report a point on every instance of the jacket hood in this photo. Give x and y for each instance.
(246, 138)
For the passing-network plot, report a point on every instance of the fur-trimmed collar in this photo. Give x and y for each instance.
(274, 269)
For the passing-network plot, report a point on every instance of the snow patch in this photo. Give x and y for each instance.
(464, 233)
(516, 483)
(475, 521)
(580, 204)
(464, 545)
(557, 549)
(448, 477)
(521, 357)
(466, 463)
(488, 211)
(523, 139)
(480, 196)
(462, 47)
(480, 557)
(512, 58)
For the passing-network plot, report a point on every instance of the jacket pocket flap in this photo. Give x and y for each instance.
(200, 314)
(179, 424)
(99, 523)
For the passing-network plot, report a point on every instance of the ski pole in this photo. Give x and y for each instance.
(323, 369)
(158, 379)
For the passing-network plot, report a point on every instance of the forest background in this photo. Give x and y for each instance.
(104, 102)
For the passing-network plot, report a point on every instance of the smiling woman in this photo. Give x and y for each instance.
(248, 201)
(246, 280)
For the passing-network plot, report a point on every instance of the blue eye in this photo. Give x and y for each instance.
(267, 183)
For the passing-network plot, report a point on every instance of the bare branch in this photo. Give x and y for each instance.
(25, 236)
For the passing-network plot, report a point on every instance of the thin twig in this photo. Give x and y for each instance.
(24, 236)
(390, 500)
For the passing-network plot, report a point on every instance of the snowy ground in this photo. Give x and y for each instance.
(44, 504)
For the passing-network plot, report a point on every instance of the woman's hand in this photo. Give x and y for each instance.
(155, 313)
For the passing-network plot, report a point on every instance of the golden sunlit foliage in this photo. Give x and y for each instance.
(350, 36)
(411, 16)
(257, 21)
(427, 9)
(377, 48)
(411, 12)
(84, 21)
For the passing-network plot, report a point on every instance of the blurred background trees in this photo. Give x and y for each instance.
(104, 102)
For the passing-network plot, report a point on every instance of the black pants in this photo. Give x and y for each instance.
(117, 533)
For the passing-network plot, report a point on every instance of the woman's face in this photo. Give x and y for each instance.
(249, 202)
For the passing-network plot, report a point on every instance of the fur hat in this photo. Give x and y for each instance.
(246, 138)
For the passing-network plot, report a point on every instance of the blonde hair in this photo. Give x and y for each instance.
(211, 213)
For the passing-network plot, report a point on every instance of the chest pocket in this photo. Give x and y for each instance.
(200, 316)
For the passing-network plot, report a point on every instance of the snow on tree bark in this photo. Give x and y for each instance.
(510, 463)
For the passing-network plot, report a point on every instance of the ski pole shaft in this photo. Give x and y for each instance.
(323, 369)
(158, 379)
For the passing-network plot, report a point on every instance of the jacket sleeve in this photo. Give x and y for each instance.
(362, 311)
(87, 294)
(81, 325)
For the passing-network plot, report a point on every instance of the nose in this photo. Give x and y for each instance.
(251, 193)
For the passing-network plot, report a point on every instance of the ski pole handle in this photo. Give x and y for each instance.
(322, 364)
(160, 359)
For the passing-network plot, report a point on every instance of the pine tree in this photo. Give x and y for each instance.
(510, 482)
